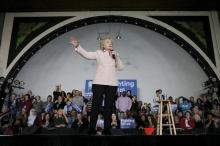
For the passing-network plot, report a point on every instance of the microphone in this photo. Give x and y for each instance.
(113, 54)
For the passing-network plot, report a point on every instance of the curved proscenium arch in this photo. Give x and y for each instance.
(149, 23)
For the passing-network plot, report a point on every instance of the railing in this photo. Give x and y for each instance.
(4, 114)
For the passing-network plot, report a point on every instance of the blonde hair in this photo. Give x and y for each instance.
(103, 41)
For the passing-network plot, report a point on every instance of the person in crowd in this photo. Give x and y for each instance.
(89, 107)
(33, 119)
(151, 121)
(48, 105)
(123, 103)
(56, 93)
(69, 97)
(134, 105)
(206, 105)
(38, 104)
(185, 105)
(170, 98)
(17, 126)
(63, 95)
(142, 122)
(22, 117)
(68, 108)
(192, 101)
(197, 114)
(12, 105)
(198, 121)
(27, 104)
(59, 104)
(60, 119)
(187, 122)
(30, 93)
(210, 123)
(157, 97)
(129, 94)
(78, 99)
(47, 122)
(79, 123)
(216, 108)
(115, 122)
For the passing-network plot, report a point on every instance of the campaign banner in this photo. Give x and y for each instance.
(123, 85)
(127, 124)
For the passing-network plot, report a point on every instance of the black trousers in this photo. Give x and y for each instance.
(98, 91)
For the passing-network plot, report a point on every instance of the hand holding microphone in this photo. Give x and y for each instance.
(113, 53)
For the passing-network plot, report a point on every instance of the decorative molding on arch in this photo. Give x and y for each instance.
(139, 18)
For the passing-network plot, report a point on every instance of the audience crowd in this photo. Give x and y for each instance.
(72, 110)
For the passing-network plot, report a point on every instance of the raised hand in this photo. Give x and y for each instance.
(74, 42)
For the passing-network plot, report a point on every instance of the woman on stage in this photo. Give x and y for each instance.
(105, 81)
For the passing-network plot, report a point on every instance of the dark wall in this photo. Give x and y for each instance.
(219, 16)
(2, 16)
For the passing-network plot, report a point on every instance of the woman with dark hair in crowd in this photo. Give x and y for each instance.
(60, 119)
(142, 122)
(210, 123)
(115, 122)
(80, 122)
(47, 121)
(151, 121)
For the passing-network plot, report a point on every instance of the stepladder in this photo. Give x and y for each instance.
(165, 111)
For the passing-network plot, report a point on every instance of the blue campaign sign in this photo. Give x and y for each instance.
(88, 88)
(123, 85)
(127, 123)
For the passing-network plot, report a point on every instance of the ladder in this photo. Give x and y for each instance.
(169, 114)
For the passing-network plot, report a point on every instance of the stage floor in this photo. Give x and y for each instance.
(127, 137)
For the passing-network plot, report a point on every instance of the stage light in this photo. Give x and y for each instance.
(118, 37)
(10, 80)
(6, 90)
(22, 83)
(99, 37)
(16, 82)
(214, 79)
(2, 79)
(181, 45)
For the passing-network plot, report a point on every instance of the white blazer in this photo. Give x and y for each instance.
(106, 66)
